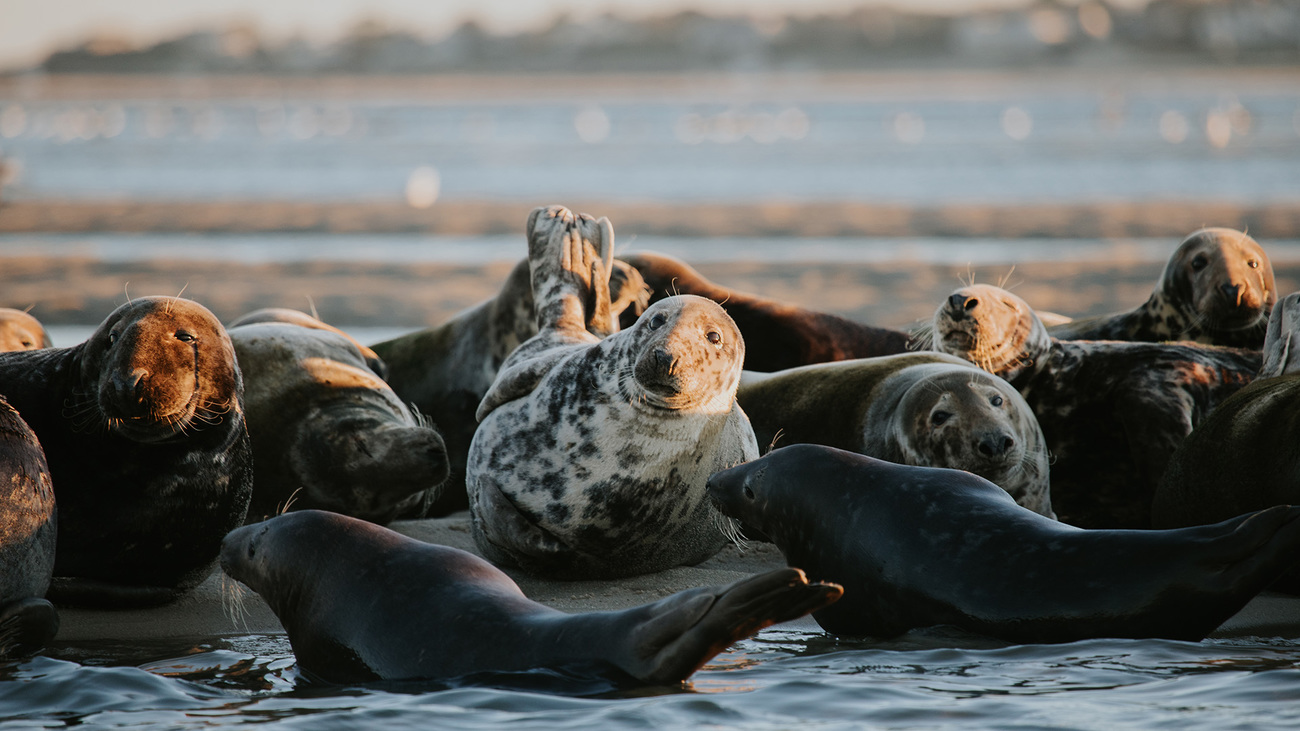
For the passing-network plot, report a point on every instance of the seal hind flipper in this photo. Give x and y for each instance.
(26, 626)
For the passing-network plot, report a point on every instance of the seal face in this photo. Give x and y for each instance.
(27, 532)
(143, 429)
(1112, 412)
(920, 409)
(778, 335)
(362, 603)
(21, 331)
(915, 547)
(327, 432)
(591, 455)
(1217, 289)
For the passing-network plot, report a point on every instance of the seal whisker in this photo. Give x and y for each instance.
(232, 602)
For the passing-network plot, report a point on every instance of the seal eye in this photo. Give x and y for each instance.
(1253, 263)
(749, 494)
(939, 417)
(714, 337)
(657, 321)
(185, 337)
(1199, 263)
(112, 338)
(996, 400)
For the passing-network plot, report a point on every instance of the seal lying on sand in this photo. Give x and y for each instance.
(363, 603)
(21, 331)
(445, 371)
(920, 409)
(1113, 413)
(1217, 289)
(326, 427)
(302, 319)
(27, 528)
(143, 427)
(591, 455)
(917, 546)
(778, 335)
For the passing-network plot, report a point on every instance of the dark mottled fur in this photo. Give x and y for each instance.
(146, 443)
(778, 335)
(1112, 412)
(27, 536)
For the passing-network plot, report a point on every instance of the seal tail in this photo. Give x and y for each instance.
(688, 629)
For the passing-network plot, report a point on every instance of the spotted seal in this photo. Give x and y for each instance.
(919, 546)
(20, 331)
(27, 532)
(143, 428)
(591, 455)
(445, 371)
(1217, 289)
(1282, 340)
(778, 335)
(1113, 413)
(922, 409)
(327, 431)
(363, 603)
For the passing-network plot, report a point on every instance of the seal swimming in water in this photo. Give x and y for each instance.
(143, 428)
(777, 335)
(919, 546)
(27, 532)
(326, 427)
(920, 409)
(363, 603)
(1112, 412)
(20, 331)
(1217, 289)
(591, 455)
(445, 371)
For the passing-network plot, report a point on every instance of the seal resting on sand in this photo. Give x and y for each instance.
(27, 532)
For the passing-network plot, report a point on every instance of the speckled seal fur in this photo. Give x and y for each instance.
(1217, 289)
(302, 319)
(1282, 341)
(27, 536)
(327, 432)
(1112, 412)
(918, 546)
(920, 409)
(20, 331)
(592, 454)
(143, 428)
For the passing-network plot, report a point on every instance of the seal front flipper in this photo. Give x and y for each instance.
(686, 630)
(26, 626)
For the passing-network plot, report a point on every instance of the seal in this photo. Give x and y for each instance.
(778, 335)
(1282, 340)
(920, 409)
(20, 331)
(143, 428)
(1112, 413)
(363, 603)
(27, 530)
(446, 371)
(919, 546)
(328, 428)
(302, 319)
(591, 455)
(1217, 289)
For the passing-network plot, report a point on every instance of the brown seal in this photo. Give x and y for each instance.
(20, 331)
(777, 335)
(27, 535)
(1217, 289)
(1112, 412)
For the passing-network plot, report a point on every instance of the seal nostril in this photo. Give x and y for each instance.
(1008, 443)
(1232, 292)
(971, 303)
(957, 302)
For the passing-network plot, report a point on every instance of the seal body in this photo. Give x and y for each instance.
(1217, 289)
(777, 335)
(921, 409)
(363, 603)
(1282, 341)
(144, 432)
(21, 331)
(591, 455)
(1112, 412)
(919, 546)
(302, 319)
(27, 534)
(327, 432)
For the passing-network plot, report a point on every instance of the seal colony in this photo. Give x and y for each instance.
(591, 455)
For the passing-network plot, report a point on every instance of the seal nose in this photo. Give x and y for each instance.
(960, 304)
(995, 445)
(1232, 292)
(664, 360)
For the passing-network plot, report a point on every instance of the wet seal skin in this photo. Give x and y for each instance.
(778, 335)
(591, 455)
(363, 603)
(918, 546)
(20, 331)
(327, 431)
(920, 409)
(1217, 289)
(1112, 412)
(143, 429)
(27, 535)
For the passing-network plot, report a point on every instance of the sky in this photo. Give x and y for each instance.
(30, 29)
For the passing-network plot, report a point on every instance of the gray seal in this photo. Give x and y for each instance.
(302, 319)
(1217, 289)
(918, 546)
(920, 409)
(1282, 341)
(591, 455)
(363, 603)
(20, 331)
(27, 534)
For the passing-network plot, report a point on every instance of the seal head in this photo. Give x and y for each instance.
(992, 328)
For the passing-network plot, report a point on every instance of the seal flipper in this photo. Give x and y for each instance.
(26, 627)
(684, 631)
